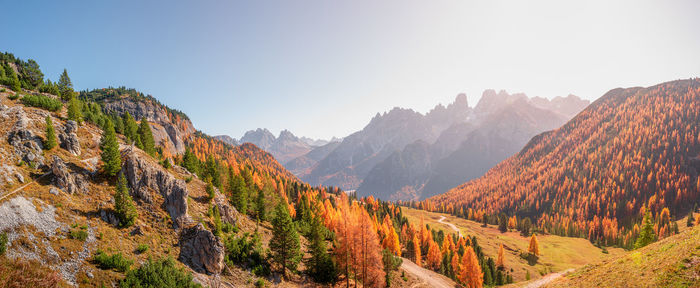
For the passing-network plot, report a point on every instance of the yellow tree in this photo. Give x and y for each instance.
(471, 275)
(455, 264)
(534, 248)
(500, 262)
(416, 250)
(433, 257)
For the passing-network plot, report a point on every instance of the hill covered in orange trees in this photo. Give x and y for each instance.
(633, 150)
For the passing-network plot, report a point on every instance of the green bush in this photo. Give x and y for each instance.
(3, 243)
(13, 96)
(79, 234)
(247, 251)
(115, 261)
(158, 273)
(43, 102)
(142, 248)
(260, 283)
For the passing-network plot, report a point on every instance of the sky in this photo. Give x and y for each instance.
(324, 68)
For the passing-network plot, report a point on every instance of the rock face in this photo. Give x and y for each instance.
(26, 146)
(166, 131)
(68, 182)
(228, 213)
(144, 176)
(69, 138)
(201, 250)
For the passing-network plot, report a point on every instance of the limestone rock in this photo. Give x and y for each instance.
(27, 147)
(69, 138)
(201, 250)
(143, 175)
(69, 182)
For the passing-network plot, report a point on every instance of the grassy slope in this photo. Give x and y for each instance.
(558, 253)
(671, 262)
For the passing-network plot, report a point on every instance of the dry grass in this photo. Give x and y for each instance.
(20, 273)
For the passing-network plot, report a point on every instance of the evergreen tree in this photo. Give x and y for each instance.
(391, 263)
(75, 110)
(50, 141)
(130, 129)
(210, 190)
(260, 205)
(525, 229)
(13, 81)
(211, 170)
(285, 240)
(147, 143)
(502, 223)
(647, 235)
(65, 86)
(691, 219)
(189, 161)
(123, 204)
(320, 266)
(238, 192)
(110, 150)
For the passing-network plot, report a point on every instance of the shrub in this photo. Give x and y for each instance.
(158, 273)
(142, 248)
(115, 261)
(3, 243)
(43, 102)
(260, 283)
(247, 251)
(22, 273)
(79, 234)
(13, 96)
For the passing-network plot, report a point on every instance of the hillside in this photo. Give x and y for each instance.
(671, 262)
(632, 150)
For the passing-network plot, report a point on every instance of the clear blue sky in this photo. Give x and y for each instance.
(324, 68)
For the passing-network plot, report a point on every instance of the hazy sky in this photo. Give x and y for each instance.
(324, 68)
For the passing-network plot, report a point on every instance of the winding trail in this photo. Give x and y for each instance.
(547, 279)
(450, 224)
(23, 186)
(429, 278)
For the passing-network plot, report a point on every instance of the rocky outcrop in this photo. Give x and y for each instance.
(26, 146)
(201, 250)
(69, 138)
(165, 130)
(64, 179)
(228, 213)
(144, 176)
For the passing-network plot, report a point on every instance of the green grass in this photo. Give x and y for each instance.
(557, 253)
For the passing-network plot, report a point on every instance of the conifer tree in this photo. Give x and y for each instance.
(110, 150)
(13, 81)
(260, 204)
(65, 86)
(147, 143)
(123, 204)
(75, 110)
(285, 240)
(416, 250)
(320, 266)
(130, 129)
(691, 219)
(502, 222)
(534, 247)
(238, 192)
(50, 141)
(471, 274)
(647, 235)
(500, 262)
(189, 160)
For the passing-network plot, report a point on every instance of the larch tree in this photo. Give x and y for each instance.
(534, 247)
(471, 275)
(391, 241)
(455, 265)
(50, 140)
(147, 143)
(110, 150)
(285, 241)
(500, 262)
(416, 250)
(433, 257)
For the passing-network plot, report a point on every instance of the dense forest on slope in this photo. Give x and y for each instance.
(631, 151)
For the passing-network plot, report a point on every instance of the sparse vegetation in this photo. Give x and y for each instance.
(43, 102)
(50, 141)
(159, 273)
(3, 243)
(115, 261)
(142, 248)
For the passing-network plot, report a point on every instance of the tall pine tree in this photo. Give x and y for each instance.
(131, 129)
(65, 86)
(320, 266)
(75, 110)
(147, 143)
(110, 150)
(285, 240)
(647, 235)
(238, 191)
(123, 204)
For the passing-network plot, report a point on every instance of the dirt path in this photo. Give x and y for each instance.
(546, 279)
(429, 278)
(22, 187)
(451, 225)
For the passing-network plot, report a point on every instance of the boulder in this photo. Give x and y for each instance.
(27, 147)
(144, 176)
(201, 250)
(228, 213)
(69, 138)
(64, 179)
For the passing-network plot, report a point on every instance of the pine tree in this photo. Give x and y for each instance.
(13, 81)
(131, 129)
(189, 160)
(416, 250)
(65, 86)
(534, 247)
(500, 262)
(260, 205)
(147, 142)
(285, 240)
(123, 204)
(50, 141)
(471, 274)
(75, 110)
(525, 229)
(238, 192)
(110, 150)
(502, 223)
(320, 266)
(691, 219)
(647, 235)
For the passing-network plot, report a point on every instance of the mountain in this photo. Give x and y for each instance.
(501, 125)
(386, 133)
(302, 164)
(284, 147)
(227, 139)
(632, 150)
